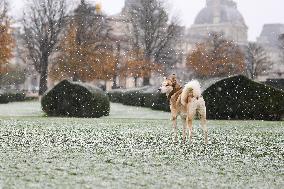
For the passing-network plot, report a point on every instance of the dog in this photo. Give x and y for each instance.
(185, 102)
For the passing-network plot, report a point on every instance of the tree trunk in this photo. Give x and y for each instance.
(114, 85)
(43, 77)
(75, 77)
(135, 81)
(146, 81)
(104, 86)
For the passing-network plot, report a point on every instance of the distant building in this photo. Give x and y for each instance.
(269, 40)
(220, 16)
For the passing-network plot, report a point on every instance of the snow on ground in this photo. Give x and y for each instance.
(30, 108)
(122, 111)
(33, 108)
(118, 152)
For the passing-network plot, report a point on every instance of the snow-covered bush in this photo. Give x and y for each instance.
(75, 100)
(4, 98)
(141, 98)
(161, 102)
(241, 98)
(116, 96)
(276, 83)
(11, 96)
(136, 98)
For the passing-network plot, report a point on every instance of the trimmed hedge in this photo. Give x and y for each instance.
(161, 102)
(276, 83)
(7, 97)
(72, 99)
(241, 98)
(154, 101)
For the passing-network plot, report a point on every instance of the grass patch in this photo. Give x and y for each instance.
(117, 152)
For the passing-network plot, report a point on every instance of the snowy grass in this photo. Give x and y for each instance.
(118, 152)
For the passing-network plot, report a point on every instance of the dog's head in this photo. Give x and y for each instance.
(168, 84)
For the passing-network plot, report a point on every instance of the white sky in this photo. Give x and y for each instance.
(255, 12)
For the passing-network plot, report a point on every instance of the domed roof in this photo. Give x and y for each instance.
(225, 10)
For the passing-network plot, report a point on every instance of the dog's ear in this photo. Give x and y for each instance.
(173, 78)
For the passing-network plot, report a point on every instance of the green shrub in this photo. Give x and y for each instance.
(148, 99)
(11, 96)
(115, 96)
(154, 101)
(31, 98)
(4, 98)
(276, 83)
(16, 97)
(241, 98)
(133, 98)
(161, 102)
(75, 100)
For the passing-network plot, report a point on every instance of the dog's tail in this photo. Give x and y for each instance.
(191, 88)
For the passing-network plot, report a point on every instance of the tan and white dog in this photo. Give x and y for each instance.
(185, 102)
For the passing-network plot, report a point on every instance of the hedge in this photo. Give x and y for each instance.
(11, 96)
(276, 83)
(70, 99)
(140, 98)
(241, 98)
(232, 98)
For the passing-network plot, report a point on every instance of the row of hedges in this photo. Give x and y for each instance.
(277, 83)
(7, 97)
(232, 98)
(154, 101)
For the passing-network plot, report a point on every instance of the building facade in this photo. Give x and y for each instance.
(220, 16)
(269, 40)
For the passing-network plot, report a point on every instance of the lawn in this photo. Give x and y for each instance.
(132, 148)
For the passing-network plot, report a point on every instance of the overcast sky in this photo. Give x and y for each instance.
(255, 12)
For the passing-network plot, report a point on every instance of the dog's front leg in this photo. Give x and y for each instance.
(183, 129)
(174, 119)
(202, 112)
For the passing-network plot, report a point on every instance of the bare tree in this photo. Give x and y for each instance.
(4, 18)
(281, 39)
(3, 10)
(43, 23)
(92, 26)
(7, 42)
(257, 60)
(86, 40)
(281, 47)
(152, 32)
(216, 57)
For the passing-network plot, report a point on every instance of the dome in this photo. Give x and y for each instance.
(224, 10)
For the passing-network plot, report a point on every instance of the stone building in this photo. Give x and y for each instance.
(220, 16)
(269, 40)
(223, 16)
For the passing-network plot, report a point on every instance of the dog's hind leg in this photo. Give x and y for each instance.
(189, 125)
(189, 118)
(183, 129)
(174, 119)
(202, 112)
